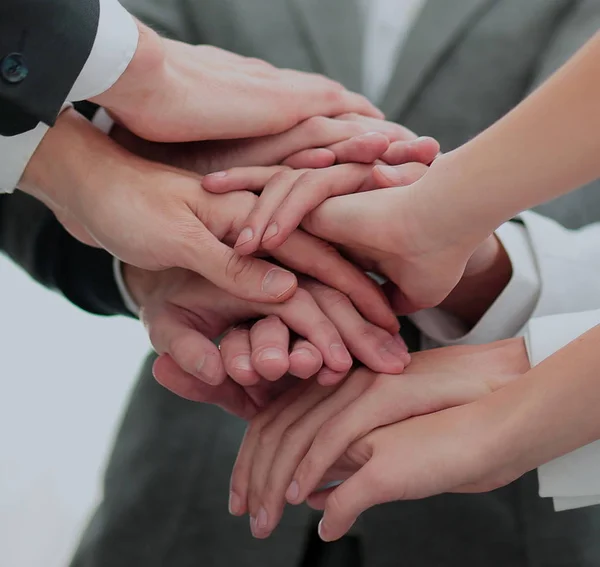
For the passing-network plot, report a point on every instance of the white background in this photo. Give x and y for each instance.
(64, 378)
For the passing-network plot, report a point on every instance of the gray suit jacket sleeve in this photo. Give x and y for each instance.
(44, 45)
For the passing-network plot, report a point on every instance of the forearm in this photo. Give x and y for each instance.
(547, 146)
(551, 411)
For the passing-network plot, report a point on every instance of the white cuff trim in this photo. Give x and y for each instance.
(114, 47)
(128, 300)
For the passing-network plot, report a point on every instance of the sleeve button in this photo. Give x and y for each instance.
(13, 69)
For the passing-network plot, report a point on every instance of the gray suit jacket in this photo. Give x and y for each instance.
(465, 63)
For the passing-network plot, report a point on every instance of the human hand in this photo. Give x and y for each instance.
(184, 313)
(307, 436)
(288, 195)
(402, 234)
(244, 350)
(315, 143)
(156, 217)
(175, 92)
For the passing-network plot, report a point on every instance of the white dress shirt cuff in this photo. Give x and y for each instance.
(508, 314)
(573, 480)
(115, 44)
(15, 153)
(128, 300)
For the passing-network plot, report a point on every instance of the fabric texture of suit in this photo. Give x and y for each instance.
(50, 42)
(465, 63)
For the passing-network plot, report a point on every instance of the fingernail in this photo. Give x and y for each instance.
(262, 520)
(271, 354)
(235, 504)
(340, 353)
(369, 134)
(207, 367)
(395, 348)
(321, 529)
(217, 174)
(246, 235)
(271, 231)
(304, 352)
(387, 171)
(243, 362)
(278, 282)
(253, 526)
(292, 492)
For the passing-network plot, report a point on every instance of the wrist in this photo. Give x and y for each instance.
(452, 191)
(57, 162)
(140, 77)
(487, 274)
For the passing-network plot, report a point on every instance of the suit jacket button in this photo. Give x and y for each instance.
(13, 69)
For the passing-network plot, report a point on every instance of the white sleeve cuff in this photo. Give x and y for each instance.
(128, 300)
(573, 480)
(511, 310)
(115, 44)
(15, 153)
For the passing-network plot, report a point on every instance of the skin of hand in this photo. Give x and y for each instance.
(373, 233)
(317, 142)
(157, 217)
(184, 312)
(175, 92)
(314, 434)
(287, 196)
(548, 412)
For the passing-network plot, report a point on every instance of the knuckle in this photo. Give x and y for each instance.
(268, 437)
(237, 268)
(291, 436)
(335, 298)
(316, 125)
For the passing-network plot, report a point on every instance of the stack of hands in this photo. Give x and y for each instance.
(310, 351)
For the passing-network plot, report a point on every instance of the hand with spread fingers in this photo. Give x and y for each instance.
(313, 434)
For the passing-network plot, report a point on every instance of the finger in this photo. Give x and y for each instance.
(343, 506)
(393, 131)
(376, 348)
(294, 443)
(315, 158)
(192, 351)
(240, 178)
(365, 148)
(270, 439)
(309, 255)
(328, 377)
(242, 468)
(399, 175)
(302, 314)
(270, 339)
(236, 355)
(300, 193)
(255, 230)
(305, 359)
(422, 150)
(243, 276)
(338, 102)
(228, 395)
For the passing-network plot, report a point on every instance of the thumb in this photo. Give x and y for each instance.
(348, 501)
(398, 175)
(245, 277)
